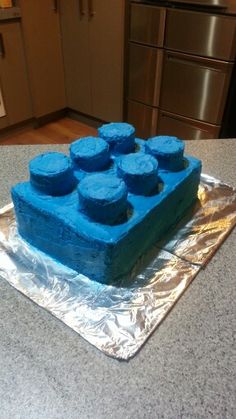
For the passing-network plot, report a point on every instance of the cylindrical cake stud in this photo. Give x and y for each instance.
(169, 152)
(52, 174)
(103, 197)
(119, 135)
(90, 154)
(140, 172)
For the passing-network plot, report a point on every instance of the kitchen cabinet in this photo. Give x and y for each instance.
(74, 24)
(41, 28)
(93, 49)
(3, 117)
(13, 75)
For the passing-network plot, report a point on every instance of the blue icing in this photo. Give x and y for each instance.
(90, 153)
(89, 236)
(139, 171)
(52, 173)
(167, 150)
(102, 197)
(120, 136)
(111, 168)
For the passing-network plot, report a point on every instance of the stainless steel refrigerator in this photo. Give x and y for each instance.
(181, 57)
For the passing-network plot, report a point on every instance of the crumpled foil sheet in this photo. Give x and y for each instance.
(119, 319)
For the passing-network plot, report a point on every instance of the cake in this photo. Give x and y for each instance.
(100, 208)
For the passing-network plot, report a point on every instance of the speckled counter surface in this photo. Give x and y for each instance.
(186, 370)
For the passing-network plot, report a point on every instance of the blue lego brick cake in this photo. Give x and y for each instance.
(98, 210)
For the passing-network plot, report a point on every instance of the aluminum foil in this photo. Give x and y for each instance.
(119, 319)
(199, 234)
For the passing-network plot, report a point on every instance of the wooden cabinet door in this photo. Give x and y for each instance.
(41, 27)
(13, 73)
(3, 118)
(74, 25)
(106, 41)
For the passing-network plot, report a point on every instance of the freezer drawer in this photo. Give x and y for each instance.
(145, 65)
(202, 34)
(147, 24)
(144, 118)
(195, 87)
(185, 128)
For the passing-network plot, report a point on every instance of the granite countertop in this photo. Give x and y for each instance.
(185, 370)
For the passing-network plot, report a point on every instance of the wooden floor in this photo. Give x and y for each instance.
(59, 132)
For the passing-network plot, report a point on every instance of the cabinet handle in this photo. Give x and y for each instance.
(55, 5)
(90, 8)
(2, 48)
(81, 8)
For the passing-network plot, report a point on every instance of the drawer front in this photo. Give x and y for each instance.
(195, 87)
(203, 34)
(145, 65)
(185, 128)
(144, 118)
(147, 24)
